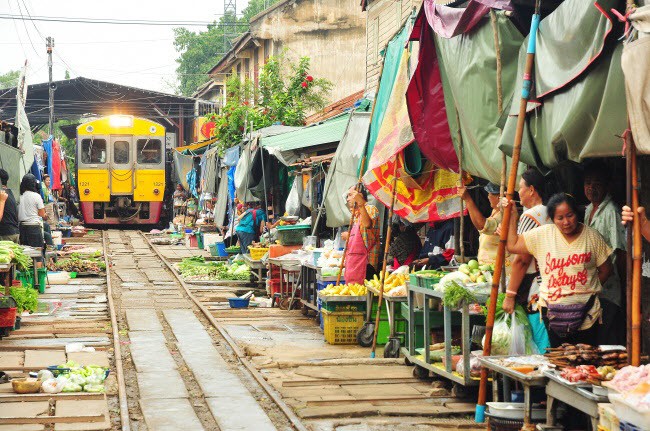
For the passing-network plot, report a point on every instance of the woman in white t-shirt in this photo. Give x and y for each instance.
(573, 262)
(31, 213)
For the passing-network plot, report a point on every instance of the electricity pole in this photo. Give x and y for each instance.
(50, 46)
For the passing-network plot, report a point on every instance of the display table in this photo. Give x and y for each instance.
(257, 269)
(422, 362)
(527, 381)
(309, 287)
(291, 268)
(575, 396)
(393, 346)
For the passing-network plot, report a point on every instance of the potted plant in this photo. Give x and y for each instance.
(26, 300)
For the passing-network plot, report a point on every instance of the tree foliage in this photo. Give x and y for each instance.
(200, 51)
(9, 79)
(285, 95)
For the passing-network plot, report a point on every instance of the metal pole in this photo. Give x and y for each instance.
(498, 267)
(383, 268)
(50, 46)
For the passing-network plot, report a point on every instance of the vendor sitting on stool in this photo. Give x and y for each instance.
(362, 257)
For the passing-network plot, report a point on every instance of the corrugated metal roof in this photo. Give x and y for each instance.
(327, 132)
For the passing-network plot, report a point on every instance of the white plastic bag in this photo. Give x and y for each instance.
(293, 200)
(54, 386)
(517, 337)
(500, 336)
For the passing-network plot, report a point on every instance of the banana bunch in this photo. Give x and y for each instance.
(353, 289)
(392, 281)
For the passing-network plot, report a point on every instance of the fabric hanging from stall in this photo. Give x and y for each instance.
(222, 197)
(392, 57)
(343, 173)
(25, 140)
(579, 88)
(211, 170)
(448, 21)
(429, 196)
(426, 102)
(231, 156)
(53, 150)
(192, 182)
(241, 175)
(635, 62)
(182, 166)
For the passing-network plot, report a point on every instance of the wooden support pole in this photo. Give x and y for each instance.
(498, 267)
(389, 231)
(635, 354)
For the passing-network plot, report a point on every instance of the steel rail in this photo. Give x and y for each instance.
(119, 371)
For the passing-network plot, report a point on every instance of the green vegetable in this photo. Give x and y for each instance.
(94, 388)
(26, 299)
(456, 295)
(72, 387)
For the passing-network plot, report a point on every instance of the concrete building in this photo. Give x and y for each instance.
(332, 33)
(384, 19)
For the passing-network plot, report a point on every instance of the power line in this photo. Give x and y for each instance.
(27, 31)
(122, 21)
(99, 42)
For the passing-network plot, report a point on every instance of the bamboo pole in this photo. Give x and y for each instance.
(389, 231)
(635, 356)
(498, 267)
(461, 173)
(504, 161)
(354, 210)
(629, 243)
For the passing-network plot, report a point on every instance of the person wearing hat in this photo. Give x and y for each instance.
(488, 240)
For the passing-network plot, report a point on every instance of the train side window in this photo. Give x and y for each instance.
(149, 151)
(93, 151)
(121, 152)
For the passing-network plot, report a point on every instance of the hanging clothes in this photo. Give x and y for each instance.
(53, 150)
(191, 183)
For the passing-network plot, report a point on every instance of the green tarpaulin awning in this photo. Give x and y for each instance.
(287, 146)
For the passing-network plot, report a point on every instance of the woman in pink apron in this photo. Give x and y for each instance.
(363, 240)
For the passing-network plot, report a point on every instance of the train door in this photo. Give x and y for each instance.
(122, 165)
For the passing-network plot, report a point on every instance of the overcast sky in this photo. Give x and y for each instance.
(136, 55)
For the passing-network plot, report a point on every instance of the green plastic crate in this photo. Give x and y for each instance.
(427, 282)
(292, 235)
(337, 306)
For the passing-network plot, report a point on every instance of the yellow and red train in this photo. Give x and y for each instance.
(121, 170)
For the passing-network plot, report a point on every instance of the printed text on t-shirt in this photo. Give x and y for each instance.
(558, 279)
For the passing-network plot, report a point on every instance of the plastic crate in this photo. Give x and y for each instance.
(338, 306)
(292, 235)
(427, 282)
(342, 327)
(257, 252)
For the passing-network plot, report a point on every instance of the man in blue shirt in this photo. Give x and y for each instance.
(434, 252)
(249, 226)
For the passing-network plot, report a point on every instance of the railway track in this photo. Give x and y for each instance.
(176, 367)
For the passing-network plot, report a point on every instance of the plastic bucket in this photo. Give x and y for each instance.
(199, 240)
(221, 249)
(42, 279)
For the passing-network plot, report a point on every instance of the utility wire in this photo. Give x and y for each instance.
(27, 31)
(123, 21)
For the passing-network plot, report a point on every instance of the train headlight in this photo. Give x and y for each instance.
(121, 121)
(156, 191)
(86, 191)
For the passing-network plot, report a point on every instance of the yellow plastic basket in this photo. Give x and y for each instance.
(341, 327)
(257, 252)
